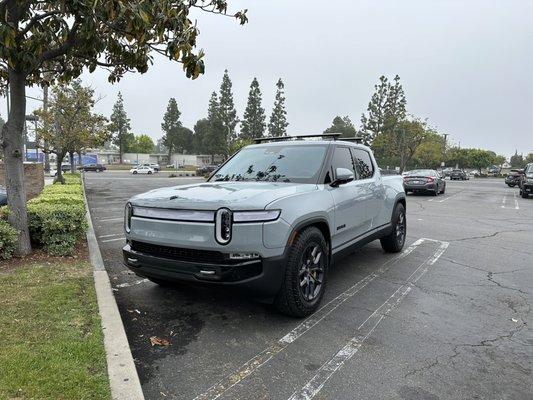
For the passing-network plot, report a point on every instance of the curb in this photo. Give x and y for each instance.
(123, 378)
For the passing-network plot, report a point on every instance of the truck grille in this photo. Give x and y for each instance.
(180, 254)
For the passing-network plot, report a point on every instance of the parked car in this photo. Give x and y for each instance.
(526, 181)
(142, 169)
(206, 169)
(424, 181)
(92, 167)
(513, 177)
(446, 172)
(3, 196)
(154, 166)
(459, 174)
(270, 221)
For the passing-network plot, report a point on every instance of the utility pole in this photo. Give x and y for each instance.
(444, 148)
(46, 147)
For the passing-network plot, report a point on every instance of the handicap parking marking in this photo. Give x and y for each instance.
(326, 371)
(260, 359)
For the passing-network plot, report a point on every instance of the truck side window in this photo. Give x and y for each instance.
(363, 164)
(342, 159)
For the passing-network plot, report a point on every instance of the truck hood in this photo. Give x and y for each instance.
(214, 195)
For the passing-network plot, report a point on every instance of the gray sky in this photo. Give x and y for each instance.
(465, 65)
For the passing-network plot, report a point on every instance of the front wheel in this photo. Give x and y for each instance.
(394, 242)
(305, 274)
(134, 172)
(149, 172)
(524, 194)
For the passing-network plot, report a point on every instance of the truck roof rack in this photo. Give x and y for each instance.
(327, 136)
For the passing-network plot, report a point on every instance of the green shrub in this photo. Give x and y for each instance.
(58, 198)
(71, 179)
(57, 227)
(8, 240)
(66, 189)
(4, 213)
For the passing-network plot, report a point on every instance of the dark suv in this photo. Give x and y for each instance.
(526, 181)
(513, 177)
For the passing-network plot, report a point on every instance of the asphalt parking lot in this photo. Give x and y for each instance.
(449, 318)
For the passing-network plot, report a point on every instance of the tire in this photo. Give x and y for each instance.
(394, 242)
(297, 300)
(149, 172)
(524, 194)
(134, 172)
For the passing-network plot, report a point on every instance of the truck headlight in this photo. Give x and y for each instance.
(128, 211)
(256, 216)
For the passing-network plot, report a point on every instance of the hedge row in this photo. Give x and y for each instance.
(57, 216)
(8, 240)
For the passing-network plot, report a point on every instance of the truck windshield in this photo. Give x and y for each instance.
(279, 163)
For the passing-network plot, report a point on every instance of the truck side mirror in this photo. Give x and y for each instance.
(342, 176)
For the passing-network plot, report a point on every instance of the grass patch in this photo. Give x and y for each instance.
(52, 341)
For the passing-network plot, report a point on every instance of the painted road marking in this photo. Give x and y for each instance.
(516, 202)
(113, 240)
(504, 201)
(110, 219)
(260, 359)
(113, 234)
(326, 371)
(125, 285)
(449, 197)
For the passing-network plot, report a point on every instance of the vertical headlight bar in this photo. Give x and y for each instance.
(223, 222)
(128, 211)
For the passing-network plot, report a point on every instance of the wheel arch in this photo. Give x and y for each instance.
(319, 223)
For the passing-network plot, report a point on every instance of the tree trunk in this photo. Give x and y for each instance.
(59, 162)
(72, 162)
(13, 143)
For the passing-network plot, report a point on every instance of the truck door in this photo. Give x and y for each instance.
(350, 215)
(371, 186)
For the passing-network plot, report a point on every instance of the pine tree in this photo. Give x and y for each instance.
(228, 114)
(253, 124)
(343, 126)
(120, 127)
(278, 124)
(375, 122)
(171, 126)
(216, 138)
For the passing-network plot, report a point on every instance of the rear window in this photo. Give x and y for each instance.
(422, 172)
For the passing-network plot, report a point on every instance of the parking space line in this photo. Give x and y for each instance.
(138, 282)
(504, 201)
(449, 197)
(113, 240)
(326, 371)
(315, 384)
(111, 235)
(110, 219)
(516, 207)
(256, 362)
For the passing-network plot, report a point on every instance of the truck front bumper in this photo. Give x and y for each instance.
(261, 278)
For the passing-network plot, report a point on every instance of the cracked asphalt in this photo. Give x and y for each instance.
(451, 319)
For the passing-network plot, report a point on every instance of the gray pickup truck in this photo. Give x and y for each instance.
(271, 220)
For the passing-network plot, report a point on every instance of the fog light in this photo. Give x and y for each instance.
(243, 256)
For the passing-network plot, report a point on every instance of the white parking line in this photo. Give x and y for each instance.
(114, 234)
(449, 197)
(110, 219)
(516, 202)
(504, 201)
(326, 371)
(124, 285)
(256, 362)
(113, 240)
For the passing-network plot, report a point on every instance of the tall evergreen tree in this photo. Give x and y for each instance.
(253, 124)
(120, 127)
(171, 126)
(343, 126)
(201, 132)
(278, 124)
(228, 114)
(374, 123)
(216, 138)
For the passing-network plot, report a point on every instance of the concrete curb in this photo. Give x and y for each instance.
(123, 378)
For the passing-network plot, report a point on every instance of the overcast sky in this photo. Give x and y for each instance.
(466, 66)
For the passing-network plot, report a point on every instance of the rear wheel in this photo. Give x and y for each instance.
(394, 242)
(524, 194)
(305, 274)
(149, 172)
(134, 172)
